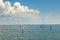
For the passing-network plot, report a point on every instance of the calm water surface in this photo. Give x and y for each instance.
(30, 32)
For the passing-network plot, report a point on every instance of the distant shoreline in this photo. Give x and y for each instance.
(27, 24)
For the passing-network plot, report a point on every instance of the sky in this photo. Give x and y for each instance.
(29, 11)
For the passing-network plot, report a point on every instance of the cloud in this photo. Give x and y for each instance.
(16, 9)
(19, 11)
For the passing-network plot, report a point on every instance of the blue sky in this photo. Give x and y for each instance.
(44, 6)
(49, 11)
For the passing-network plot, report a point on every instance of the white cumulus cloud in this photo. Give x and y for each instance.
(20, 11)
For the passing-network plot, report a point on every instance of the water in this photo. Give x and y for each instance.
(30, 32)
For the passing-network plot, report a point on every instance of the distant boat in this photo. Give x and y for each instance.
(50, 27)
(22, 27)
(42, 26)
